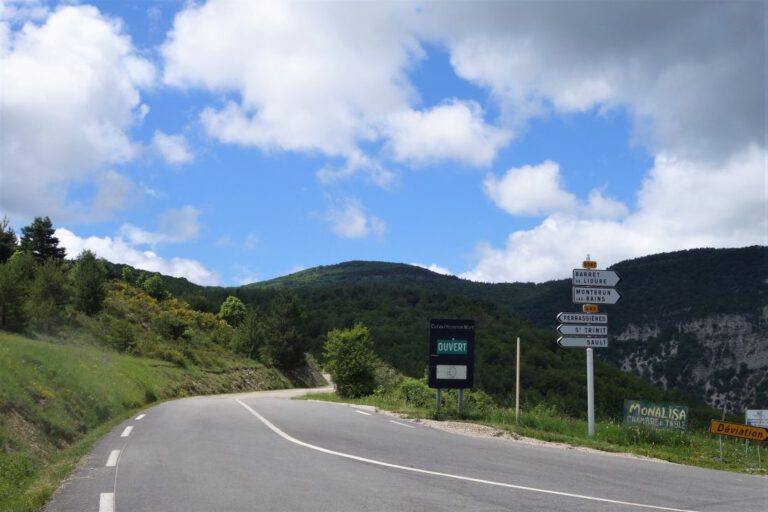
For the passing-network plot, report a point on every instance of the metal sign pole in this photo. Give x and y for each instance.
(590, 393)
(461, 401)
(517, 382)
(437, 401)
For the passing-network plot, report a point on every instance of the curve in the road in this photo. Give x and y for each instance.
(288, 437)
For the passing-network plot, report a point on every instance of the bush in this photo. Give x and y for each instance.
(350, 360)
(416, 392)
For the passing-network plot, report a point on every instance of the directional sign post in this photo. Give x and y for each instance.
(583, 330)
(585, 295)
(583, 277)
(582, 318)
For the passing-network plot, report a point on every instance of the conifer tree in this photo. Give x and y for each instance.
(8, 241)
(38, 239)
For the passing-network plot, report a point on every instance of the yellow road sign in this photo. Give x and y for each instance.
(589, 264)
(726, 428)
(589, 308)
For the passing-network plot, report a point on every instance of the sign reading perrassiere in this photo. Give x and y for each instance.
(656, 416)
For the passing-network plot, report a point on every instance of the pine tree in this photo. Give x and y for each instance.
(38, 239)
(89, 278)
(8, 242)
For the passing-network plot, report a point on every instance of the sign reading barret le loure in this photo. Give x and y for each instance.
(656, 416)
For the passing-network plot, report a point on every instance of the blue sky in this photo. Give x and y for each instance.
(229, 141)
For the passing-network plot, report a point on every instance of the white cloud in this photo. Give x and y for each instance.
(681, 205)
(530, 190)
(118, 250)
(349, 220)
(435, 268)
(173, 148)
(70, 92)
(174, 226)
(693, 85)
(601, 207)
(309, 80)
(251, 241)
(454, 130)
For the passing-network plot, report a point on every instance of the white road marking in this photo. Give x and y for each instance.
(107, 502)
(363, 412)
(112, 460)
(140, 416)
(401, 424)
(126, 432)
(448, 475)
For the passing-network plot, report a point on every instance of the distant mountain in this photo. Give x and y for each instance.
(693, 320)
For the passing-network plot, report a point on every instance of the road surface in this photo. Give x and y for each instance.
(264, 452)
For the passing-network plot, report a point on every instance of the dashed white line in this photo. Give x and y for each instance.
(285, 436)
(363, 412)
(107, 502)
(140, 416)
(401, 424)
(112, 460)
(126, 432)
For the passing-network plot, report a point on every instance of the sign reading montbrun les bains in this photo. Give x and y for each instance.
(656, 416)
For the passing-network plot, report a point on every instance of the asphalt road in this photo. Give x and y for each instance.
(263, 452)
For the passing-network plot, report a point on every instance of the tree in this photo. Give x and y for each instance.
(89, 279)
(15, 278)
(251, 334)
(48, 295)
(232, 311)
(8, 241)
(284, 342)
(154, 286)
(351, 361)
(38, 239)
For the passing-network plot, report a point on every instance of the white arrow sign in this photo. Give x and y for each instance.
(582, 318)
(583, 295)
(584, 277)
(583, 330)
(582, 342)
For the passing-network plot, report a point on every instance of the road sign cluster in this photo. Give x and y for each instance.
(591, 287)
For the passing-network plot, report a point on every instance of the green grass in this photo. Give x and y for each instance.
(693, 448)
(56, 400)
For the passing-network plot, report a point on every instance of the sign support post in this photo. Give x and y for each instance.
(437, 401)
(590, 394)
(517, 383)
(460, 405)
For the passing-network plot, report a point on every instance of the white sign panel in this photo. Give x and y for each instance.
(582, 295)
(566, 342)
(445, 371)
(757, 417)
(584, 277)
(582, 318)
(583, 330)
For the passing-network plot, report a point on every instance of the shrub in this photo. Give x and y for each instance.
(416, 392)
(351, 361)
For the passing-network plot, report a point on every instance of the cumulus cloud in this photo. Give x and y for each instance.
(435, 268)
(681, 205)
(530, 190)
(452, 131)
(173, 148)
(349, 219)
(118, 250)
(693, 85)
(174, 226)
(70, 92)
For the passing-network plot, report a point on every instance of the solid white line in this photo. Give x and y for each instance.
(448, 475)
(112, 460)
(140, 416)
(363, 412)
(401, 424)
(107, 502)
(126, 432)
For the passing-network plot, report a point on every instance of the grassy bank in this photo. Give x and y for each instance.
(56, 400)
(694, 448)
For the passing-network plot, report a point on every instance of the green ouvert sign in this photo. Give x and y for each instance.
(453, 347)
(656, 416)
